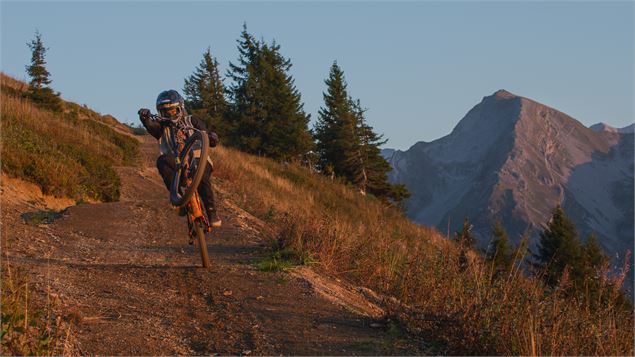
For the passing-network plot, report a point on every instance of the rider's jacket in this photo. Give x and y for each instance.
(163, 132)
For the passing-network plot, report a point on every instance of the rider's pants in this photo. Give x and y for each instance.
(167, 167)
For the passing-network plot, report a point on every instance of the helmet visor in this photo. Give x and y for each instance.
(170, 112)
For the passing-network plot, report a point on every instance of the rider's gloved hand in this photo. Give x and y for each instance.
(144, 113)
(213, 139)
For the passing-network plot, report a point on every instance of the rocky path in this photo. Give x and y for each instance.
(126, 275)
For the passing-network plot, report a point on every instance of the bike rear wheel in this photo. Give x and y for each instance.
(190, 169)
(202, 243)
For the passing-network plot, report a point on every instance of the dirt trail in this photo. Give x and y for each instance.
(126, 275)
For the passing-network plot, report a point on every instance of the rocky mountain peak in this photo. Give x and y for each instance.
(503, 94)
(599, 127)
(514, 159)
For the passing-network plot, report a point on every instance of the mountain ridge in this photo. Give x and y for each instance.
(514, 159)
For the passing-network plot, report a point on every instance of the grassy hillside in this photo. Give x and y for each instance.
(67, 154)
(323, 223)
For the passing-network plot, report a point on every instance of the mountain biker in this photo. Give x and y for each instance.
(171, 105)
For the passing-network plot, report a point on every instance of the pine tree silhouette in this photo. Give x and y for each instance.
(347, 146)
(205, 94)
(266, 115)
(559, 248)
(39, 90)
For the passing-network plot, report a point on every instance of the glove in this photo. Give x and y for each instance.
(144, 113)
(213, 139)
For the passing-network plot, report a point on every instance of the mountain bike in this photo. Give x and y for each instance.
(192, 146)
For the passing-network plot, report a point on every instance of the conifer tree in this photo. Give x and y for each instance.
(500, 253)
(39, 90)
(205, 94)
(334, 130)
(266, 113)
(348, 145)
(558, 248)
(37, 70)
(363, 169)
(285, 134)
(245, 100)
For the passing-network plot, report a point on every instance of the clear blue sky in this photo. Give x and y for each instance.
(417, 66)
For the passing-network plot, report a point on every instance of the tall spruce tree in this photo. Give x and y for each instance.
(286, 134)
(246, 103)
(558, 248)
(348, 146)
(266, 113)
(205, 94)
(334, 130)
(37, 69)
(39, 90)
(364, 170)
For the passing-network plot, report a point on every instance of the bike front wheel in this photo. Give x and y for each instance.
(202, 243)
(190, 168)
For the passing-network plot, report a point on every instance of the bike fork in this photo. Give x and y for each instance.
(195, 212)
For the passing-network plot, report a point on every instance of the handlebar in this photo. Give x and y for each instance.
(180, 124)
(169, 121)
(161, 119)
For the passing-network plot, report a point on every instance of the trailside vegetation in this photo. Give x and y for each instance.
(68, 153)
(311, 219)
(29, 326)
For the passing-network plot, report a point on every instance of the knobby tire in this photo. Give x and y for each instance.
(200, 233)
(200, 170)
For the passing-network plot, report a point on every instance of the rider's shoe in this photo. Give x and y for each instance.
(182, 211)
(214, 220)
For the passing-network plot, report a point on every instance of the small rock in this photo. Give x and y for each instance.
(260, 297)
(376, 325)
(227, 293)
(246, 352)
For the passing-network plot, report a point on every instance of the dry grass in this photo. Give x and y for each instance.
(361, 240)
(67, 154)
(29, 326)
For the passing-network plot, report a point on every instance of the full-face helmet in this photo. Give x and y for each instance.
(170, 104)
